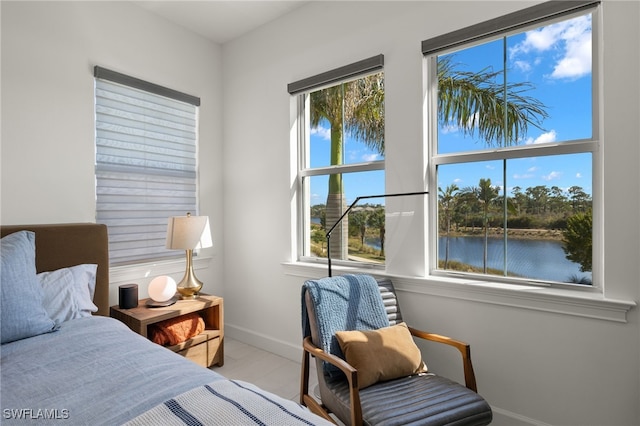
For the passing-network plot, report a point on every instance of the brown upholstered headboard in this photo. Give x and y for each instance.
(63, 245)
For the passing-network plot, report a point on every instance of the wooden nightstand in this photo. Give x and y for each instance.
(205, 349)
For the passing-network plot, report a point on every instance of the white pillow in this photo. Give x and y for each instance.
(68, 292)
(84, 278)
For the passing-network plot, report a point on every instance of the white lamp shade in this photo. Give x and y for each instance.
(162, 288)
(188, 232)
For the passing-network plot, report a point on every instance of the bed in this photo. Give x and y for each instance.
(75, 365)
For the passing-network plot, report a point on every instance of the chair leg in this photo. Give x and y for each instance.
(304, 376)
(306, 399)
(316, 408)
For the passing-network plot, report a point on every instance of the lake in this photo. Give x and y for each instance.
(536, 259)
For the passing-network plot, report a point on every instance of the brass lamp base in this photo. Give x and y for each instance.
(189, 287)
(189, 292)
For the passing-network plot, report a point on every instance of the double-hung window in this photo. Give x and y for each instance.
(146, 163)
(341, 157)
(513, 136)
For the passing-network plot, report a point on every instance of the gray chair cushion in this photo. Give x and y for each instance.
(416, 400)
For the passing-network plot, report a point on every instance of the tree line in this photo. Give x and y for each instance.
(537, 207)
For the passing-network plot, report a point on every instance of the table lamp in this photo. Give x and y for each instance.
(189, 233)
(162, 291)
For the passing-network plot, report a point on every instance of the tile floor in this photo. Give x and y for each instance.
(271, 372)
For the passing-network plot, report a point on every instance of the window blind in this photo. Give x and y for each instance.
(146, 168)
(348, 71)
(502, 24)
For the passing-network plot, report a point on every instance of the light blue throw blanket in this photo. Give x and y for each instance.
(347, 302)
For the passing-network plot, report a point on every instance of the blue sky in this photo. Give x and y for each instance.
(556, 60)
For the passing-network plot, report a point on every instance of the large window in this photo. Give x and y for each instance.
(341, 157)
(146, 163)
(515, 149)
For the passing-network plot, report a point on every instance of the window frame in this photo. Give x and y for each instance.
(301, 90)
(515, 23)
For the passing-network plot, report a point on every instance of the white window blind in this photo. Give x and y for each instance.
(146, 168)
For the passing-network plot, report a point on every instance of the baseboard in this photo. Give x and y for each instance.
(503, 417)
(267, 343)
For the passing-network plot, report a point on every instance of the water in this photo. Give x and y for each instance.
(535, 259)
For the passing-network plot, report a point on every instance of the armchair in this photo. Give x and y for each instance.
(359, 302)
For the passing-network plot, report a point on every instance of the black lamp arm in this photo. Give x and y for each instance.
(352, 205)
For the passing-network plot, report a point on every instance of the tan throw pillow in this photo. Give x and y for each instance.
(383, 354)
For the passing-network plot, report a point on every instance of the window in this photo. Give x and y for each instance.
(146, 163)
(341, 157)
(515, 150)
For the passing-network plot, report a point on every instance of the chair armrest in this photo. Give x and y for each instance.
(350, 372)
(338, 362)
(464, 348)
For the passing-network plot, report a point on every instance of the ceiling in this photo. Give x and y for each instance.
(221, 20)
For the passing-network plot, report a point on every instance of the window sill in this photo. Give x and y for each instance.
(125, 273)
(561, 301)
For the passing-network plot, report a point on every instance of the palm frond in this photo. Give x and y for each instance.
(474, 102)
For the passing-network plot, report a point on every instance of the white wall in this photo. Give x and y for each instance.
(534, 367)
(49, 50)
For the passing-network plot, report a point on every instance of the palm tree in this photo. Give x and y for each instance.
(486, 195)
(474, 101)
(358, 219)
(447, 201)
(376, 220)
(355, 108)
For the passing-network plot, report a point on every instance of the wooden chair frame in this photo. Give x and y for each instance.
(352, 374)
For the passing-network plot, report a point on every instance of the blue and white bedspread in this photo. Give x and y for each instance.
(225, 403)
(95, 371)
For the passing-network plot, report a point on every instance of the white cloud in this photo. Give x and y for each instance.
(523, 176)
(529, 174)
(451, 128)
(543, 138)
(370, 157)
(523, 66)
(323, 132)
(577, 60)
(552, 176)
(579, 175)
(572, 39)
(539, 40)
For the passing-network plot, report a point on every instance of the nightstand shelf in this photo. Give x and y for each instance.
(205, 349)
